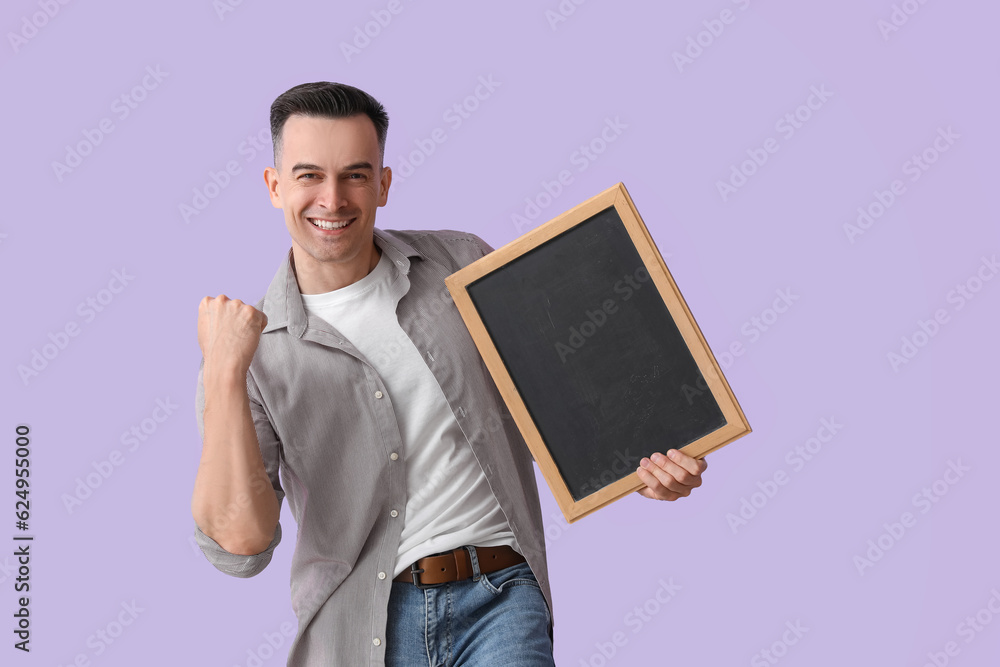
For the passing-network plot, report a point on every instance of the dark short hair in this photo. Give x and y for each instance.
(324, 99)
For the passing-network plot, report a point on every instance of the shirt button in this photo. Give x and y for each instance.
(394, 513)
(376, 641)
(394, 456)
(378, 394)
(381, 575)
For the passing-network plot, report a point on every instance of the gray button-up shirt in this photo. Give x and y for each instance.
(325, 420)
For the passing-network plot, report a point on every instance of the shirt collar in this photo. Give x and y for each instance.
(283, 302)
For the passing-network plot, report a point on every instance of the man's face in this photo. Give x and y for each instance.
(329, 170)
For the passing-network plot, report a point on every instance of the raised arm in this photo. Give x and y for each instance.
(234, 503)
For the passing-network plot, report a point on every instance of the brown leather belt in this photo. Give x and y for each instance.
(456, 565)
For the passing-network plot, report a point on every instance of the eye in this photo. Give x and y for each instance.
(359, 176)
(304, 175)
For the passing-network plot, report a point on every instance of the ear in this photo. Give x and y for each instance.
(384, 182)
(271, 180)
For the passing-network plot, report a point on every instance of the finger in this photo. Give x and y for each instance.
(672, 475)
(685, 461)
(661, 484)
(648, 493)
(654, 489)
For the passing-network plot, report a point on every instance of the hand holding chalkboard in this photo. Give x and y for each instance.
(592, 346)
(670, 476)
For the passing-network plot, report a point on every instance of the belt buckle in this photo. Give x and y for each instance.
(415, 573)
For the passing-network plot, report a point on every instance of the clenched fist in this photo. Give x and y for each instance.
(228, 333)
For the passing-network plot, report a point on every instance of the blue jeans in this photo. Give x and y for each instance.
(500, 618)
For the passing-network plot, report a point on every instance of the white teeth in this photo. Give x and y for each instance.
(325, 224)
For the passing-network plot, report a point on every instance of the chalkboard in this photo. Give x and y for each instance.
(583, 329)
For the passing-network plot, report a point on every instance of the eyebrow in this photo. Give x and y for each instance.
(351, 167)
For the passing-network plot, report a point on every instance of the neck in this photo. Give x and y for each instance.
(322, 277)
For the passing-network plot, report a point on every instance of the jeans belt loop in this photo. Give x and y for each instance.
(474, 559)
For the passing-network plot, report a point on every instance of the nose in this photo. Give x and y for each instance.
(333, 195)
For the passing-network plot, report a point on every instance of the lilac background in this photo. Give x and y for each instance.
(826, 357)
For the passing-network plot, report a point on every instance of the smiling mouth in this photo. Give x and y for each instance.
(330, 225)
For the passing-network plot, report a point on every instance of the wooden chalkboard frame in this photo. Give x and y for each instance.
(736, 423)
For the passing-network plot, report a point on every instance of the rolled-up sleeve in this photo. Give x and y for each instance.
(241, 565)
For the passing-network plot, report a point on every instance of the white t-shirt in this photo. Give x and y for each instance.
(449, 501)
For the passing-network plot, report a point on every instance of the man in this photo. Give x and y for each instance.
(420, 537)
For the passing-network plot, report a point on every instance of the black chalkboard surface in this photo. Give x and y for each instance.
(593, 347)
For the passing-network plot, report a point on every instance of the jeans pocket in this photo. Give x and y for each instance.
(515, 575)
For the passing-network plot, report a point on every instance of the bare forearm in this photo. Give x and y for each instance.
(233, 501)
